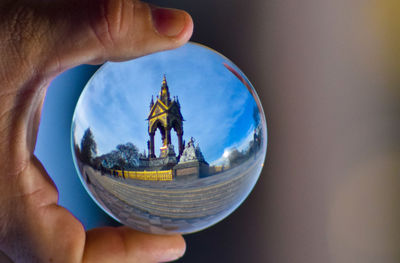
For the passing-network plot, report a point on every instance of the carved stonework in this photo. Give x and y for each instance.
(191, 162)
(165, 116)
(191, 153)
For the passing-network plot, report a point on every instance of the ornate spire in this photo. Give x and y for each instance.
(151, 102)
(164, 93)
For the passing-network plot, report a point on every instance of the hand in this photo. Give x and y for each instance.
(38, 40)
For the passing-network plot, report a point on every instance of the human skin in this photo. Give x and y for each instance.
(39, 40)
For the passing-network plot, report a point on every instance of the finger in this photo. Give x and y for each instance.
(127, 245)
(33, 228)
(43, 38)
(47, 37)
(54, 35)
(100, 30)
(51, 234)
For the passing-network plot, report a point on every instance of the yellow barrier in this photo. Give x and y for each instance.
(145, 175)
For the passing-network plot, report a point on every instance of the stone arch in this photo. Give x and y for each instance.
(165, 115)
(157, 125)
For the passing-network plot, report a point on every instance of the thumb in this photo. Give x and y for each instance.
(40, 39)
(93, 31)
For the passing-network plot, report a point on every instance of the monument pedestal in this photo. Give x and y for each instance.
(194, 168)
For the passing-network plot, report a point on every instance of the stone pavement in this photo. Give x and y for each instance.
(177, 206)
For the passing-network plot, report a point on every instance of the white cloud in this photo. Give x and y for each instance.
(115, 103)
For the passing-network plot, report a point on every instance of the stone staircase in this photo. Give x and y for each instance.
(174, 204)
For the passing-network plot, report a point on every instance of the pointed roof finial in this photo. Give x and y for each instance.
(151, 102)
(164, 92)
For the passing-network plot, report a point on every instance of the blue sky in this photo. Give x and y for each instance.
(216, 106)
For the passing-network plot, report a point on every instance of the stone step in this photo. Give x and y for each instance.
(207, 197)
(183, 199)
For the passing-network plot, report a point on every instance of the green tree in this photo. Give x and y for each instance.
(88, 147)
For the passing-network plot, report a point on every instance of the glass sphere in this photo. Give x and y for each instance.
(171, 142)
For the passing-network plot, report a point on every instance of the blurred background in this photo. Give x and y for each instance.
(327, 73)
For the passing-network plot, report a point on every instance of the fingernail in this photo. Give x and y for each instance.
(170, 257)
(168, 22)
(173, 253)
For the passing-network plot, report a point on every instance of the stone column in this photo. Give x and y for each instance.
(151, 147)
(167, 136)
(180, 143)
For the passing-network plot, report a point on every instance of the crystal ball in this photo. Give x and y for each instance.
(171, 142)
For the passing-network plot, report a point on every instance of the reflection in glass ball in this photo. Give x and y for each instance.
(171, 142)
